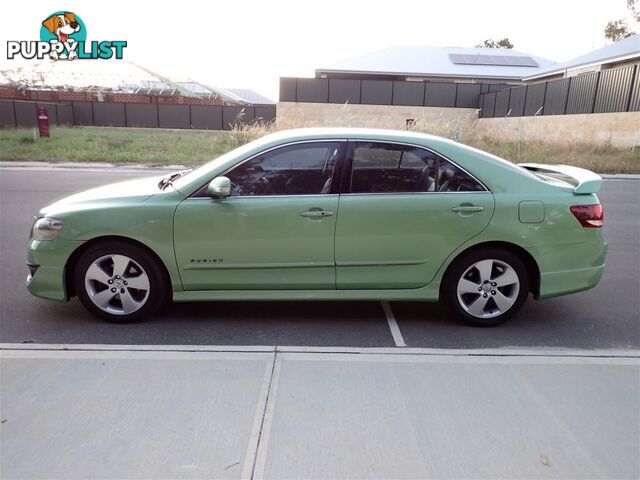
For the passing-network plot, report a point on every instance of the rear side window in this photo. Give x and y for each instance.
(301, 169)
(391, 168)
(453, 179)
(387, 168)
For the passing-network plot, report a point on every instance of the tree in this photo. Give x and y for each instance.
(490, 43)
(634, 8)
(619, 29)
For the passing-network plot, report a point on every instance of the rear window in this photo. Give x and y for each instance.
(557, 179)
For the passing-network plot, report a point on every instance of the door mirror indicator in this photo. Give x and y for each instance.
(219, 187)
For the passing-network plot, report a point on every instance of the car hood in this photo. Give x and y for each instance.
(130, 192)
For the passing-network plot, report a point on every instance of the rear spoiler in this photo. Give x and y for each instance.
(585, 181)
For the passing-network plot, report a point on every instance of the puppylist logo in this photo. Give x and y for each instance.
(63, 36)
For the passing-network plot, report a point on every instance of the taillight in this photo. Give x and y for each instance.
(589, 216)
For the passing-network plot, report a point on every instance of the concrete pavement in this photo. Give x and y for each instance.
(299, 412)
(541, 408)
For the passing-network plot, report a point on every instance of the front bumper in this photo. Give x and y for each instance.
(50, 257)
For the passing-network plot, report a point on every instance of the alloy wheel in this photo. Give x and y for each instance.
(488, 288)
(117, 284)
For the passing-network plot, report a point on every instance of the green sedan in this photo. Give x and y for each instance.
(327, 214)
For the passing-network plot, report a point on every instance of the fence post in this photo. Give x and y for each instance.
(595, 93)
(455, 98)
(15, 115)
(634, 75)
(509, 103)
(544, 95)
(524, 101)
(566, 99)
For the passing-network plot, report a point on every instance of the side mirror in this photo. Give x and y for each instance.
(219, 187)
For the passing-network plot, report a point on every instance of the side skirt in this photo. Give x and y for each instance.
(428, 293)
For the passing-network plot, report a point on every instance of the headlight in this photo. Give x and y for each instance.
(46, 228)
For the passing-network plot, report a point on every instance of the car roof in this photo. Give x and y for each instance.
(444, 146)
(349, 132)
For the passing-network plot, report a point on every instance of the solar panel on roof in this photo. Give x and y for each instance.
(497, 60)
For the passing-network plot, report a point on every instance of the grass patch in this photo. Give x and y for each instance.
(115, 145)
(154, 146)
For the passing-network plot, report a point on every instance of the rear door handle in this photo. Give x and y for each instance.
(317, 213)
(468, 208)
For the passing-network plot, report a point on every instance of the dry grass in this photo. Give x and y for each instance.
(191, 148)
(598, 159)
(602, 159)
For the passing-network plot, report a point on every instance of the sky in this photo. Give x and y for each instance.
(251, 44)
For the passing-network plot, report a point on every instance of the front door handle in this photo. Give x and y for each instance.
(468, 208)
(317, 213)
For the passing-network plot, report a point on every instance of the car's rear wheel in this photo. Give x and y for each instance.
(119, 282)
(487, 286)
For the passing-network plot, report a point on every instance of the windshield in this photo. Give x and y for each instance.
(557, 178)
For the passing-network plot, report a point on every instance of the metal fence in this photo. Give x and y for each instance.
(384, 92)
(614, 90)
(22, 114)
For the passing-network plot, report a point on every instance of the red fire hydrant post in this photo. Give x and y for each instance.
(43, 121)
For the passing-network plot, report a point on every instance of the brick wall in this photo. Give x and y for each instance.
(11, 93)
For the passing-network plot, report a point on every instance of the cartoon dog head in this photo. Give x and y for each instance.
(62, 25)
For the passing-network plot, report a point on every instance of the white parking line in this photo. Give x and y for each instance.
(393, 325)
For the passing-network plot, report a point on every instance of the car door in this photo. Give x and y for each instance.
(403, 211)
(276, 229)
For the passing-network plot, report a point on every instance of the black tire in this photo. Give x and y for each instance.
(462, 265)
(156, 295)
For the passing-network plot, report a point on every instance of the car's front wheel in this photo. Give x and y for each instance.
(487, 286)
(119, 282)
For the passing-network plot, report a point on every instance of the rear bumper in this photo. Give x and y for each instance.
(50, 257)
(553, 284)
(570, 268)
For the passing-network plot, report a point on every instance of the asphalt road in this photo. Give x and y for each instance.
(605, 317)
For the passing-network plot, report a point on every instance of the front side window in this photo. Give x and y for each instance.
(391, 168)
(301, 169)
